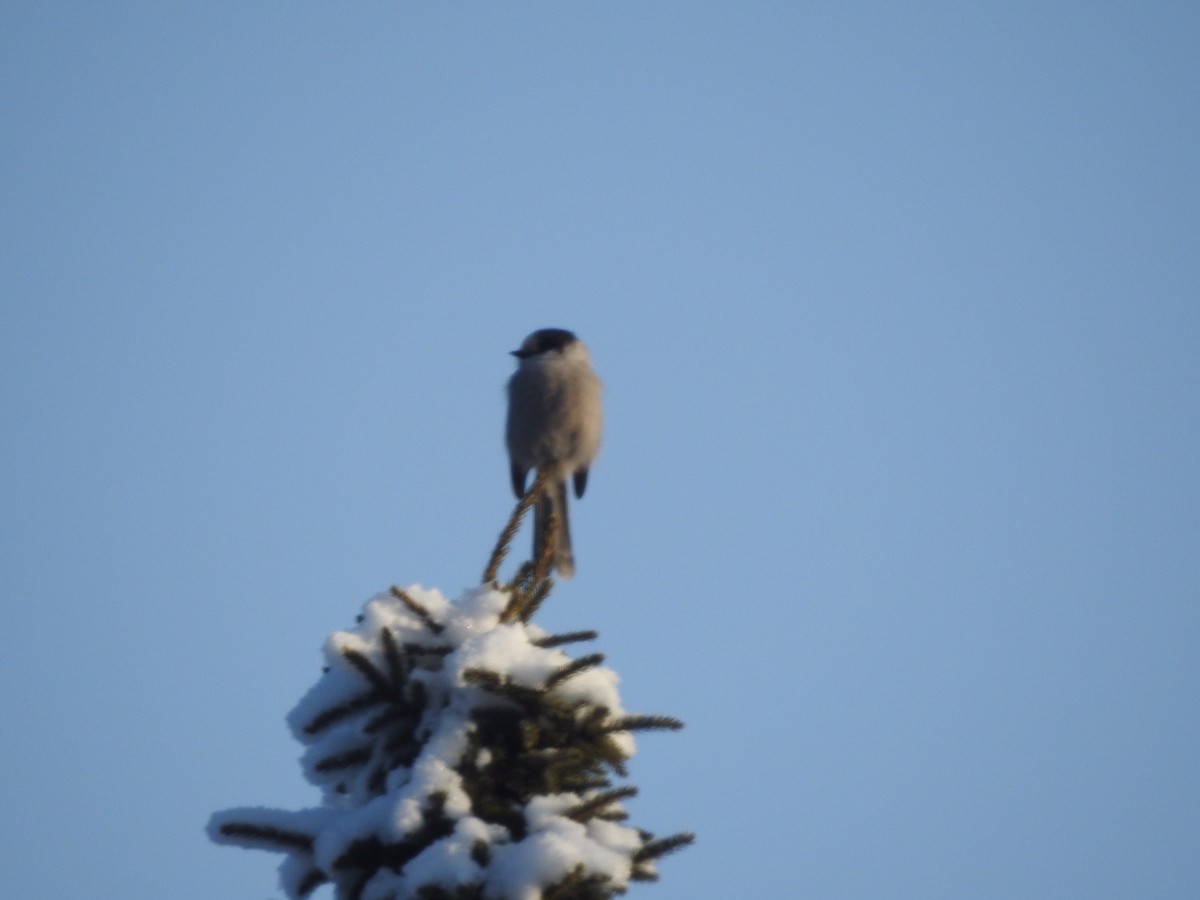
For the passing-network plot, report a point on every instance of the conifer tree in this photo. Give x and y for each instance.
(462, 754)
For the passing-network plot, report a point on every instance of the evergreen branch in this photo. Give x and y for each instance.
(345, 760)
(335, 714)
(376, 780)
(584, 783)
(510, 530)
(483, 678)
(390, 716)
(539, 593)
(593, 720)
(367, 669)
(643, 723)
(418, 610)
(652, 850)
(312, 880)
(573, 668)
(278, 838)
(355, 890)
(557, 640)
(532, 583)
(531, 734)
(402, 757)
(413, 649)
(402, 741)
(497, 684)
(392, 653)
(579, 885)
(590, 809)
(520, 591)
(459, 892)
(613, 755)
(520, 694)
(545, 558)
(418, 695)
(520, 580)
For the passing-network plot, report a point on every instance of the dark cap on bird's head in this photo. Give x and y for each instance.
(544, 340)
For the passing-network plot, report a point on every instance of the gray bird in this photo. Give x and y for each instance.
(554, 423)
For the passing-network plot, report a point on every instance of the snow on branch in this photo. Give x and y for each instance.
(460, 753)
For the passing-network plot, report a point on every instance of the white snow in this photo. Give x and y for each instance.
(555, 846)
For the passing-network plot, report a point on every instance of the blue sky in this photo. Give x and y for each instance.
(897, 310)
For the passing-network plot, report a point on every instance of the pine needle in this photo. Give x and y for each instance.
(368, 670)
(661, 847)
(279, 838)
(395, 663)
(557, 640)
(510, 530)
(545, 558)
(594, 807)
(310, 882)
(345, 760)
(341, 711)
(573, 668)
(417, 609)
(644, 723)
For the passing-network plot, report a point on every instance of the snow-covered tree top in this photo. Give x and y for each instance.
(460, 753)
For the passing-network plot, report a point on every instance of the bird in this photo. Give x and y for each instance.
(555, 417)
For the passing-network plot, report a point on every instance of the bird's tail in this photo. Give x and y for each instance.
(553, 499)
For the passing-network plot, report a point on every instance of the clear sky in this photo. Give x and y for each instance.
(898, 311)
